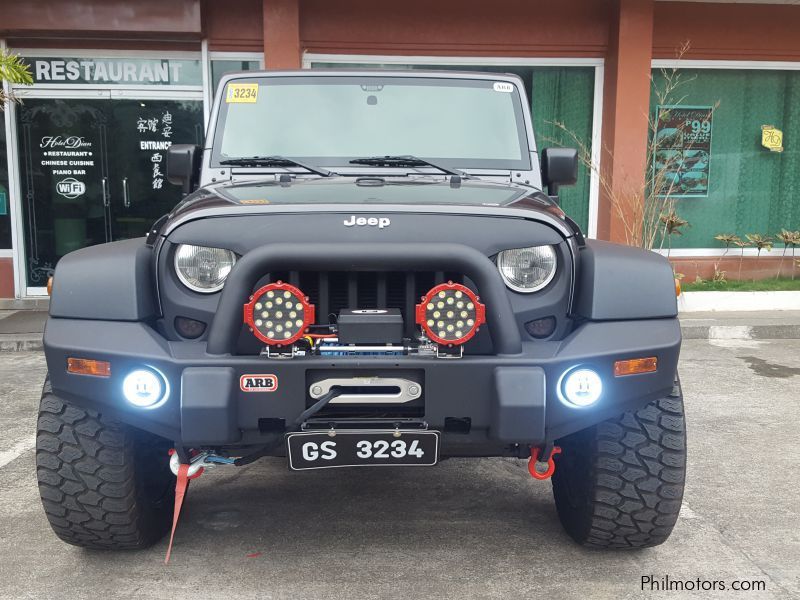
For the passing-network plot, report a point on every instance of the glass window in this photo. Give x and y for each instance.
(5, 199)
(93, 171)
(466, 123)
(750, 189)
(223, 67)
(562, 100)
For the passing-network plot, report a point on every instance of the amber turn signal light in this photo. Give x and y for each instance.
(635, 366)
(50, 286)
(86, 366)
(677, 287)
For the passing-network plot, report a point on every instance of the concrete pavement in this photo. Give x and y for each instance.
(464, 529)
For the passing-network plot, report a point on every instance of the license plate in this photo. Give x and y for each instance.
(315, 450)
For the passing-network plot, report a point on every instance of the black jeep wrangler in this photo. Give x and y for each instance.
(368, 269)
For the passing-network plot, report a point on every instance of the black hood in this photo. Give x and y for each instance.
(418, 192)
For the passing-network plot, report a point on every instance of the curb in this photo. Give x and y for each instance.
(741, 332)
(31, 342)
(692, 302)
(24, 303)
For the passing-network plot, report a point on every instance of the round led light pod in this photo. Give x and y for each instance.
(580, 387)
(450, 314)
(275, 325)
(145, 388)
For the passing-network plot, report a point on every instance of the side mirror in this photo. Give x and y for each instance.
(559, 167)
(183, 165)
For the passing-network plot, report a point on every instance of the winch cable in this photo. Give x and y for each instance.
(334, 392)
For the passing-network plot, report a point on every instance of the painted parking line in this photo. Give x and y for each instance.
(17, 450)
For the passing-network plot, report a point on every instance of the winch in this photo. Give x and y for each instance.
(370, 326)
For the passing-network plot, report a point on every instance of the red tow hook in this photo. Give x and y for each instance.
(185, 472)
(537, 468)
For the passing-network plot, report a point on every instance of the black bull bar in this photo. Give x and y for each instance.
(504, 332)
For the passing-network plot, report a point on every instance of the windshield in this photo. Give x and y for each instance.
(323, 120)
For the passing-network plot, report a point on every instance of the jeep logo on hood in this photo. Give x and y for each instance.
(380, 223)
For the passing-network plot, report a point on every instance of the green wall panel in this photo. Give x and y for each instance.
(751, 190)
(565, 95)
(5, 197)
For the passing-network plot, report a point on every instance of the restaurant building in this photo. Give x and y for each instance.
(117, 81)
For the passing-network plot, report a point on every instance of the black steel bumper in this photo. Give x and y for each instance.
(509, 398)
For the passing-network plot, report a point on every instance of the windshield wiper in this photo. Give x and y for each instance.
(406, 160)
(274, 161)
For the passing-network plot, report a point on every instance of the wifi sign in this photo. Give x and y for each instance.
(70, 188)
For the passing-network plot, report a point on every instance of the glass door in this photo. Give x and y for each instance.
(64, 179)
(143, 130)
(93, 169)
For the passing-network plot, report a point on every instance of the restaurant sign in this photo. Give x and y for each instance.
(115, 71)
(682, 153)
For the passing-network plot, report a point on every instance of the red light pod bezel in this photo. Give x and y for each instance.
(480, 313)
(309, 312)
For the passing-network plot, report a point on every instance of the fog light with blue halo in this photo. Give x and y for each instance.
(580, 387)
(145, 388)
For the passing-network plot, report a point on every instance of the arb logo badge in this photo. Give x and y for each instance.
(258, 383)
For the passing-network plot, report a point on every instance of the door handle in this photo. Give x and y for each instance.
(104, 184)
(126, 199)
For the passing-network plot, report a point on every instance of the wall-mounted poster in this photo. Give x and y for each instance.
(682, 157)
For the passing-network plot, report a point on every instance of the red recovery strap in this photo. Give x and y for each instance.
(181, 484)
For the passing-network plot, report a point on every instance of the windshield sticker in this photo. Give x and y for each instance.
(242, 92)
(503, 86)
(254, 201)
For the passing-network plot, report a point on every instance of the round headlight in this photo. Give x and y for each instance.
(527, 269)
(203, 269)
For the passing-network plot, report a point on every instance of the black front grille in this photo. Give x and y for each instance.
(331, 291)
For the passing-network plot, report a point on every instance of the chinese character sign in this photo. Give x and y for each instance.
(682, 157)
(162, 127)
(166, 125)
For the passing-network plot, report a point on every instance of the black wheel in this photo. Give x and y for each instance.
(619, 484)
(103, 484)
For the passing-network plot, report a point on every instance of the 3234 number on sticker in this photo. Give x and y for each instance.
(242, 92)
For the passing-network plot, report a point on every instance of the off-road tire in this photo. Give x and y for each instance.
(619, 484)
(103, 484)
